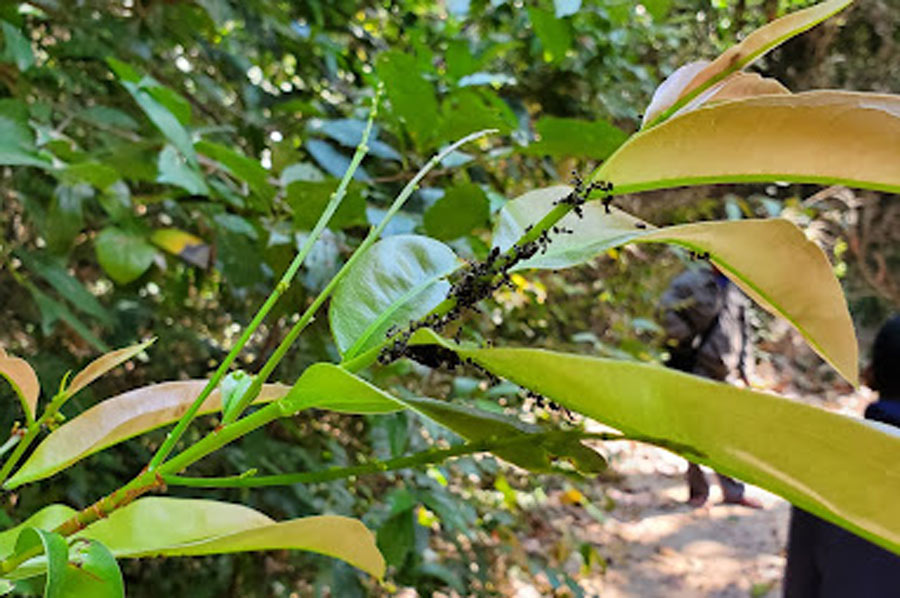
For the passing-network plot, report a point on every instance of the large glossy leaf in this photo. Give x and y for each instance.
(24, 381)
(827, 137)
(105, 363)
(397, 280)
(771, 260)
(840, 468)
(412, 97)
(117, 419)
(683, 89)
(162, 526)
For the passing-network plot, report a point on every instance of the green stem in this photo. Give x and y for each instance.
(370, 239)
(175, 435)
(427, 457)
(33, 429)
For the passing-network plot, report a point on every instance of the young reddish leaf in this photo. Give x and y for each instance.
(162, 526)
(103, 364)
(827, 137)
(117, 419)
(754, 46)
(23, 380)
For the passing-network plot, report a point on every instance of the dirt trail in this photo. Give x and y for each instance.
(658, 546)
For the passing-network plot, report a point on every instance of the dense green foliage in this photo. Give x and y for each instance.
(167, 159)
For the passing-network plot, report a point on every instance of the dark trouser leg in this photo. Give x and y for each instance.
(732, 490)
(697, 484)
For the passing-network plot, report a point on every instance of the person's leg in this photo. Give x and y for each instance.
(697, 485)
(733, 492)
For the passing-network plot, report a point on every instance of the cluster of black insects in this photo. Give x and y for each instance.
(480, 279)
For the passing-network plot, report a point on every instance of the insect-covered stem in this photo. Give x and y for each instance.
(370, 239)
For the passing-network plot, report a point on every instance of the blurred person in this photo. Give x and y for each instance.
(704, 316)
(824, 560)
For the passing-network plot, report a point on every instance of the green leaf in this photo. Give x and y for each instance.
(56, 551)
(827, 137)
(553, 33)
(52, 270)
(784, 446)
(175, 170)
(47, 518)
(233, 387)
(308, 200)
(117, 419)
(241, 167)
(462, 209)
(109, 117)
(16, 137)
(93, 573)
(396, 538)
(52, 310)
(658, 9)
(327, 386)
(93, 173)
(563, 137)
(103, 364)
(753, 46)
(161, 526)
(18, 48)
(172, 101)
(65, 219)
(412, 97)
(770, 260)
(468, 110)
(124, 255)
(397, 280)
(145, 92)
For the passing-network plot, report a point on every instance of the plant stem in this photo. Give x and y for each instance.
(370, 239)
(31, 432)
(427, 457)
(178, 431)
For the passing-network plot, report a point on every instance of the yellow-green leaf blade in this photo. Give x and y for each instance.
(187, 527)
(826, 137)
(754, 46)
(840, 468)
(117, 419)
